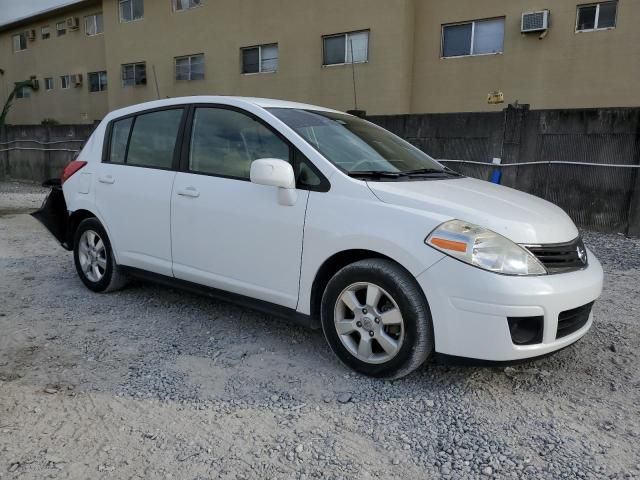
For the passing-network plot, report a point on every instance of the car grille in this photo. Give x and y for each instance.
(561, 257)
(573, 320)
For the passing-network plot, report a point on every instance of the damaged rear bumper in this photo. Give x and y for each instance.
(54, 216)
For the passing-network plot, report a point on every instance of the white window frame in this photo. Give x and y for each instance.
(19, 36)
(63, 29)
(45, 29)
(122, 20)
(259, 47)
(346, 36)
(65, 79)
(597, 19)
(133, 65)
(473, 37)
(174, 4)
(23, 92)
(188, 57)
(94, 18)
(101, 87)
(48, 84)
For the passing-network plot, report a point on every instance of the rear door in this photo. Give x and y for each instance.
(227, 232)
(133, 188)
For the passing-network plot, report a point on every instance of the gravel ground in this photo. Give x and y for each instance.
(152, 382)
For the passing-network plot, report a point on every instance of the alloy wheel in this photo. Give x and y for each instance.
(369, 323)
(92, 255)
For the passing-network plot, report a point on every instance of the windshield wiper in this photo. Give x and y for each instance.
(423, 171)
(375, 174)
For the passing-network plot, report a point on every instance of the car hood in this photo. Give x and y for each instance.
(518, 216)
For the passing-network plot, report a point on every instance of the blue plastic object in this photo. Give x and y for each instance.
(496, 176)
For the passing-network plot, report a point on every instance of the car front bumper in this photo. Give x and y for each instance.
(470, 308)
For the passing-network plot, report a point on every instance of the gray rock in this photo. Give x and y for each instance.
(344, 397)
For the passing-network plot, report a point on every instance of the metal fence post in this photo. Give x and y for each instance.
(633, 229)
(3, 155)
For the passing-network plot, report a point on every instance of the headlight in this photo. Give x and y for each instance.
(483, 248)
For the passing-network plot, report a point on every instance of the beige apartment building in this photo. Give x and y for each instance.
(385, 56)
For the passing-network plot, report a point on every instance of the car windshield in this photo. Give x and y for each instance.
(357, 146)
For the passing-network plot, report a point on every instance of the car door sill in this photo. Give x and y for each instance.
(242, 300)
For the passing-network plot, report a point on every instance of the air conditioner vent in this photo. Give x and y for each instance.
(535, 21)
(73, 23)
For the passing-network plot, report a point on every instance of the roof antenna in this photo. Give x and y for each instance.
(353, 71)
(356, 112)
(155, 78)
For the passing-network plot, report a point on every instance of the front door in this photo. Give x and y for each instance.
(227, 232)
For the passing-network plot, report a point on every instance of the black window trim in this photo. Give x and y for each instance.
(293, 158)
(106, 147)
(183, 144)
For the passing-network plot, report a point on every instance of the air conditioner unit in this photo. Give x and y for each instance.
(77, 80)
(73, 23)
(31, 35)
(535, 21)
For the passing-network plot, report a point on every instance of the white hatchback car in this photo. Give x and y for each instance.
(325, 218)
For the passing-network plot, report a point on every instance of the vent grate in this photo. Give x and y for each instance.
(561, 257)
(571, 321)
(535, 21)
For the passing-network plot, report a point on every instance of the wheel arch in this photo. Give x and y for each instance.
(76, 217)
(74, 220)
(330, 267)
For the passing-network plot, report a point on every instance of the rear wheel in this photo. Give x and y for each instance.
(93, 258)
(376, 319)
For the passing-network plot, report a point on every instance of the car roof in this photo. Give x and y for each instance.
(219, 100)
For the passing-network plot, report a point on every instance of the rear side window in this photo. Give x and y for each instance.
(225, 142)
(152, 141)
(119, 139)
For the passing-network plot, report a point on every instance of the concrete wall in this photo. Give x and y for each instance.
(564, 70)
(603, 198)
(70, 54)
(38, 153)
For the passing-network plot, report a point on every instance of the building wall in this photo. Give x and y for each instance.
(564, 70)
(219, 30)
(72, 53)
(405, 73)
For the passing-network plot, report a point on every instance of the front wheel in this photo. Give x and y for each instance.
(376, 319)
(93, 258)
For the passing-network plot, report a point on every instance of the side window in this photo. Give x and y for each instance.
(225, 142)
(153, 139)
(119, 139)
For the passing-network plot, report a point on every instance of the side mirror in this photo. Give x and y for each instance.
(273, 172)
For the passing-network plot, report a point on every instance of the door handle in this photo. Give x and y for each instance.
(189, 192)
(107, 179)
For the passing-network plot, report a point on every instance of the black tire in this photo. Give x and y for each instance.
(417, 344)
(112, 278)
